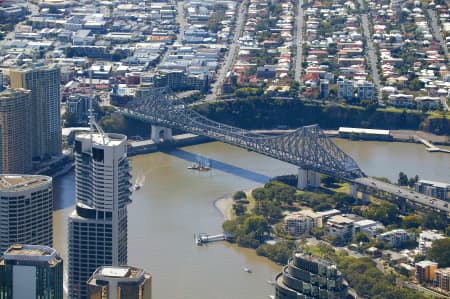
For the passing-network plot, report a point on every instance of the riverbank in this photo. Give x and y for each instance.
(224, 204)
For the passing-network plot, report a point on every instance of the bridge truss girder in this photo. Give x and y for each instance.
(308, 147)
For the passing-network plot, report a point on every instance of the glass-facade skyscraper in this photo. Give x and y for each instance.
(122, 282)
(31, 271)
(98, 225)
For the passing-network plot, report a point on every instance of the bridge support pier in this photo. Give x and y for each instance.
(365, 198)
(308, 178)
(354, 191)
(159, 133)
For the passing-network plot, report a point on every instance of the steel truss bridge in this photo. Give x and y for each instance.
(308, 147)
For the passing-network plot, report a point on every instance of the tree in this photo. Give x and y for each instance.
(258, 225)
(440, 252)
(239, 209)
(239, 195)
(361, 237)
(433, 220)
(411, 221)
(70, 119)
(402, 179)
(385, 212)
(259, 194)
(413, 180)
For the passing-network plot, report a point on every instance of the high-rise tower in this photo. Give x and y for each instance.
(31, 271)
(123, 282)
(44, 84)
(15, 135)
(26, 210)
(98, 225)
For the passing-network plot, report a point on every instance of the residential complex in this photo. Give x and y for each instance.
(435, 189)
(122, 282)
(44, 84)
(442, 279)
(306, 276)
(302, 222)
(340, 227)
(98, 225)
(26, 210)
(31, 271)
(15, 137)
(425, 270)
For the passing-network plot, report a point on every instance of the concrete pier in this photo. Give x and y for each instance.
(159, 134)
(308, 178)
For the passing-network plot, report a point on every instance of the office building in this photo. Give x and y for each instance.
(26, 210)
(306, 276)
(44, 84)
(98, 225)
(15, 131)
(123, 282)
(425, 270)
(31, 271)
(442, 278)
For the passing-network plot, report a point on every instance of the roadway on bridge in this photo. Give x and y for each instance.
(409, 195)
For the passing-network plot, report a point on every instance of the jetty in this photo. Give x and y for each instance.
(431, 147)
(203, 238)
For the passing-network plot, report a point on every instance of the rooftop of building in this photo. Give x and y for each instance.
(445, 271)
(106, 139)
(424, 264)
(10, 93)
(120, 273)
(363, 131)
(340, 219)
(31, 253)
(9, 182)
(29, 250)
(435, 184)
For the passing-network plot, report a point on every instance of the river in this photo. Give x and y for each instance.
(174, 203)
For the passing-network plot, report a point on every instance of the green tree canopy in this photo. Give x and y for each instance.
(239, 195)
(440, 252)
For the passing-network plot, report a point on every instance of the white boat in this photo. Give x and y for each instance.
(248, 270)
(136, 187)
(271, 296)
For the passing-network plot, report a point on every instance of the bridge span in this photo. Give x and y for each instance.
(308, 147)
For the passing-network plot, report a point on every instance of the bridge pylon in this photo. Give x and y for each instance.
(308, 178)
(159, 134)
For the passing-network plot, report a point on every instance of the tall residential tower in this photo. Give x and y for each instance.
(44, 84)
(98, 225)
(15, 135)
(26, 210)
